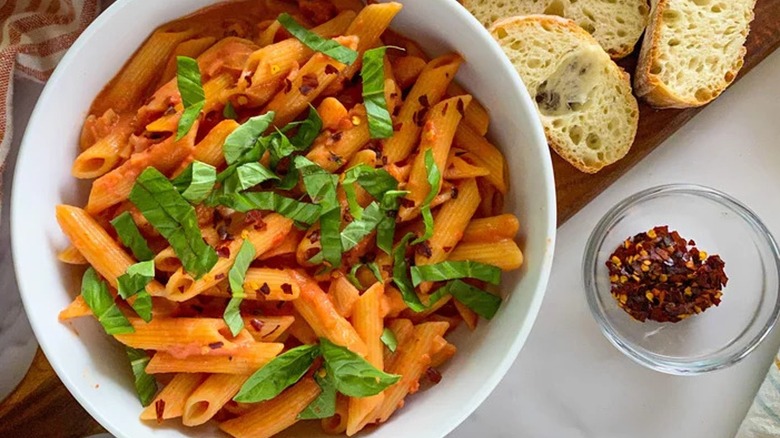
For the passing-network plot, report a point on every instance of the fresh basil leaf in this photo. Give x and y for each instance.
(193, 98)
(308, 130)
(482, 303)
(358, 229)
(376, 182)
(99, 300)
(290, 179)
(242, 145)
(317, 43)
(451, 270)
(352, 276)
(236, 275)
(175, 219)
(229, 112)
(385, 230)
(252, 174)
(353, 375)
(434, 180)
(196, 182)
(301, 212)
(321, 187)
(131, 237)
(376, 270)
(277, 375)
(324, 406)
(401, 275)
(133, 283)
(380, 124)
(145, 384)
(438, 295)
(348, 184)
(279, 146)
(388, 338)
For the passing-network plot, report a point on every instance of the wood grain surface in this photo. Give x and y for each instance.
(41, 406)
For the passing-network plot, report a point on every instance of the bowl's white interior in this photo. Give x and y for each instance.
(93, 366)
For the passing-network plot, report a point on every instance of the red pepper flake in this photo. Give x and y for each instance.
(656, 276)
(216, 345)
(287, 288)
(309, 84)
(159, 410)
(348, 217)
(454, 193)
(265, 289)
(219, 276)
(419, 117)
(433, 375)
(447, 248)
(331, 70)
(337, 136)
(256, 324)
(223, 234)
(334, 157)
(424, 249)
(424, 101)
(398, 126)
(223, 251)
(255, 218)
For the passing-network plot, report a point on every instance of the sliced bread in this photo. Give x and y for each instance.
(616, 24)
(693, 50)
(584, 99)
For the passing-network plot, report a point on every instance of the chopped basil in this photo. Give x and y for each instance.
(324, 406)
(388, 338)
(243, 145)
(377, 182)
(373, 267)
(145, 384)
(308, 130)
(434, 180)
(317, 43)
(401, 275)
(358, 229)
(193, 98)
(380, 124)
(251, 174)
(277, 375)
(133, 283)
(229, 112)
(452, 270)
(131, 237)
(236, 275)
(352, 375)
(98, 298)
(321, 187)
(175, 219)
(385, 230)
(300, 212)
(196, 182)
(482, 303)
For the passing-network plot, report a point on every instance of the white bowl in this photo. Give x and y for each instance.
(94, 367)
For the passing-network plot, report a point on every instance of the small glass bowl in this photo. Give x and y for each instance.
(719, 224)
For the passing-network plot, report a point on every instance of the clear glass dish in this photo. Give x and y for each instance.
(719, 224)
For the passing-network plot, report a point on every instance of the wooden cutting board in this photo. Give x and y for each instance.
(41, 406)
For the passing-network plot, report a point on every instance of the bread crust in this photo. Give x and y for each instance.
(652, 89)
(622, 79)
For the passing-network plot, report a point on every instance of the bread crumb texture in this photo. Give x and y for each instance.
(615, 24)
(584, 99)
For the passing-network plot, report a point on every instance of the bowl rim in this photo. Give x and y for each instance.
(590, 264)
(520, 92)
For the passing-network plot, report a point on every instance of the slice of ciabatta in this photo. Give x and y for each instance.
(616, 24)
(584, 99)
(692, 51)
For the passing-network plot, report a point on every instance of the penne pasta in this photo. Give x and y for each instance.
(71, 256)
(503, 253)
(182, 337)
(491, 229)
(210, 397)
(169, 403)
(243, 360)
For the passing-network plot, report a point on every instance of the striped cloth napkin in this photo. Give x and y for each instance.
(763, 418)
(35, 35)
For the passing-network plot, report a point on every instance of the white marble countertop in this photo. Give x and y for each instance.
(568, 380)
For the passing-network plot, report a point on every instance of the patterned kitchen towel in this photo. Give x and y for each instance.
(35, 35)
(763, 418)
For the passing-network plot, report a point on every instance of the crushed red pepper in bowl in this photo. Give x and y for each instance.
(660, 276)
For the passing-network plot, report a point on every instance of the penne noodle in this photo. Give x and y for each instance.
(468, 315)
(210, 397)
(503, 253)
(273, 416)
(491, 229)
(476, 116)
(182, 337)
(337, 424)
(485, 155)
(315, 307)
(331, 151)
(209, 150)
(268, 328)
(406, 70)
(264, 284)
(343, 295)
(71, 256)
(439, 357)
(190, 48)
(459, 168)
(169, 403)
(288, 246)
(76, 309)
(244, 360)
(104, 155)
(426, 92)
